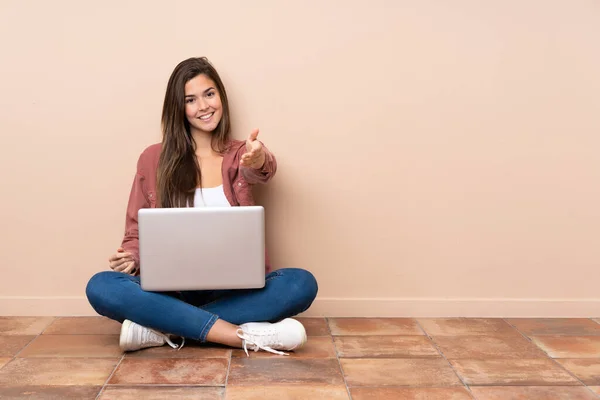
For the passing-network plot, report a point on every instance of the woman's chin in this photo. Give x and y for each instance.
(205, 128)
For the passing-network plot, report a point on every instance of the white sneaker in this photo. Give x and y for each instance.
(288, 334)
(136, 337)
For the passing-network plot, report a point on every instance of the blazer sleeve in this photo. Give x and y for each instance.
(138, 198)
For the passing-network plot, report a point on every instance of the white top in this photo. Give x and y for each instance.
(211, 197)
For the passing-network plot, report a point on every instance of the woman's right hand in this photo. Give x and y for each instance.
(122, 262)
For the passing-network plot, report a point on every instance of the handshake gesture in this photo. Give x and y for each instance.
(255, 155)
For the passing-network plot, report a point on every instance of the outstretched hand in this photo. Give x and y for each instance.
(254, 157)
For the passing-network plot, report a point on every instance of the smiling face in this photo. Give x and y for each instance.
(203, 107)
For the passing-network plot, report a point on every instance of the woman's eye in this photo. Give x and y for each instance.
(189, 100)
(210, 94)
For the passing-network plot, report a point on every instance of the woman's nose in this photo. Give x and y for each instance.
(202, 105)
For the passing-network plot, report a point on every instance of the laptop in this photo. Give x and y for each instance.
(202, 248)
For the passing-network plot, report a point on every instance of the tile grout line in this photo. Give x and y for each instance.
(337, 357)
(551, 358)
(54, 319)
(445, 358)
(110, 376)
(597, 321)
(228, 370)
(13, 358)
(164, 385)
(32, 340)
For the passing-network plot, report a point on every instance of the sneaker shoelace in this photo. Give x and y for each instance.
(158, 338)
(259, 341)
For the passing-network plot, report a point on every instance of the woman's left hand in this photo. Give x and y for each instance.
(255, 154)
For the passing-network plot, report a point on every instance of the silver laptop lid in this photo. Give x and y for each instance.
(202, 248)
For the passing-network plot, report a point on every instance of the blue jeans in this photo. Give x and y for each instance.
(192, 314)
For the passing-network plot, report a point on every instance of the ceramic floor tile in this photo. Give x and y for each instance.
(56, 371)
(4, 361)
(50, 392)
(374, 326)
(316, 347)
(315, 326)
(586, 370)
(304, 392)
(595, 389)
(83, 326)
(465, 326)
(398, 372)
(385, 346)
(23, 325)
(163, 371)
(532, 393)
(513, 372)
(161, 393)
(569, 346)
(96, 346)
(263, 371)
(487, 347)
(11, 345)
(556, 326)
(188, 351)
(456, 393)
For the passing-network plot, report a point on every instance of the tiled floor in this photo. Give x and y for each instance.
(376, 358)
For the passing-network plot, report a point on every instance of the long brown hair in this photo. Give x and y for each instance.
(178, 172)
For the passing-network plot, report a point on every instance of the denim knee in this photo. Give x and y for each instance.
(302, 285)
(98, 290)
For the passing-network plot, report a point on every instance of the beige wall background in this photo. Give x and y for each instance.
(435, 158)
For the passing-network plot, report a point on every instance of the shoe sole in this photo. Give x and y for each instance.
(125, 335)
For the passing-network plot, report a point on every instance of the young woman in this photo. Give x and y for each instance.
(198, 164)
